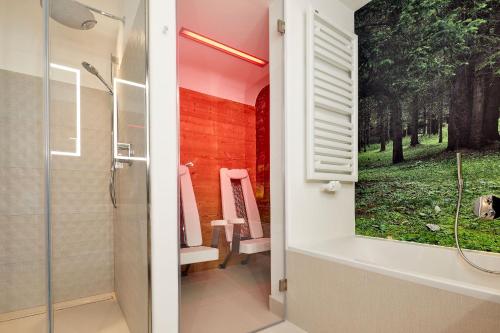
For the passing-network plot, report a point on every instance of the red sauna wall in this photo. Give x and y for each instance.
(263, 188)
(215, 133)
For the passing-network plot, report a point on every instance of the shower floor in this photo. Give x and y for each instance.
(99, 317)
(229, 300)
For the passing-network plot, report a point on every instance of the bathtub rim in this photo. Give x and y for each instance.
(439, 282)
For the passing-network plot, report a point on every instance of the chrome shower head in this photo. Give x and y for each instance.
(92, 70)
(72, 14)
(76, 15)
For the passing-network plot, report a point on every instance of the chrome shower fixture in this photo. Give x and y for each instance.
(103, 13)
(76, 15)
(112, 177)
(484, 206)
(487, 207)
(92, 70)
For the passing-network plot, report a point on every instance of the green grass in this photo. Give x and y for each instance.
(397, 201)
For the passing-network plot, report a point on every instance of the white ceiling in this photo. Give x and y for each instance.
(242, 24)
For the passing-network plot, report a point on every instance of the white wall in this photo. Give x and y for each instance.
(311, 214)
(164, 162)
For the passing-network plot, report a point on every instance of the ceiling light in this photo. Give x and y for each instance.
(222, 47)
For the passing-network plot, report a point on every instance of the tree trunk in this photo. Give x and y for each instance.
(364, 131)
(397, 132)
(435, 125)
(478, 108)
(425, 121)
(361, 131)
(429, 122)
(452, 137)
(460, 109)
(414, 123)
(368, 129)
(440, 120)
(492, 112)
(381, 127)
(388, 127)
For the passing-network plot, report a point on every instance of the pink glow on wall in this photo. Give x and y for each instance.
(243, 25)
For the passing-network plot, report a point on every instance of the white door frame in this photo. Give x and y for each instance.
(164, 160)
(163, 165)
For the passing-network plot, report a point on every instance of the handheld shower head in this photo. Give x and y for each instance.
(92, 70)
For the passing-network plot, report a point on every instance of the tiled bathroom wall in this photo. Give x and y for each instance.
(22, 225)
(81, 212)
(82, 215)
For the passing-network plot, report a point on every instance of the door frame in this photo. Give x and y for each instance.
(164, 161)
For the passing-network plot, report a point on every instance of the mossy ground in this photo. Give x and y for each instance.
(397, 201)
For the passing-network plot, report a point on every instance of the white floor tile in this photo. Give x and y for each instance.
(232, 300)
(99, 317)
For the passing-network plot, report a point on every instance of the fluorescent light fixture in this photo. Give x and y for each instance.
(222, 47)
(115, 119)
(78, 130)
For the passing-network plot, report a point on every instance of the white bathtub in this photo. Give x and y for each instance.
(434, 266)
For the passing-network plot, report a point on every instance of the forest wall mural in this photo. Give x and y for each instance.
(429, 86)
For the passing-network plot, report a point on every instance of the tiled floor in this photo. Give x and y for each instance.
(232, 300)
(99, 317)
(285, 327)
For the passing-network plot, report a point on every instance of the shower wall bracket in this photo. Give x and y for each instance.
(126, 151)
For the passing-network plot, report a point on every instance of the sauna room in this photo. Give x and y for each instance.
(224, 171)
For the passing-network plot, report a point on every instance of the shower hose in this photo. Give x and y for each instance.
(457, 217)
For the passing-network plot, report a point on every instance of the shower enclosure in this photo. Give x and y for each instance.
(74, 229)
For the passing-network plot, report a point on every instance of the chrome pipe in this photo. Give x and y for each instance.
(103, 13)
(457, 217)
(110, 91)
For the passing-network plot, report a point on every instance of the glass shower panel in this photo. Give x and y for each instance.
(130, 120)
(80, 150)
(131, 215)
(65, 106)
(23, 225)
(97, 88)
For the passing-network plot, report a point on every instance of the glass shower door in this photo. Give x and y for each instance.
(62, 241)
(23, 223)
(98, 131)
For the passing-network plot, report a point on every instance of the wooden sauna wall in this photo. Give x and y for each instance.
(263, 167)
(215, 133)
